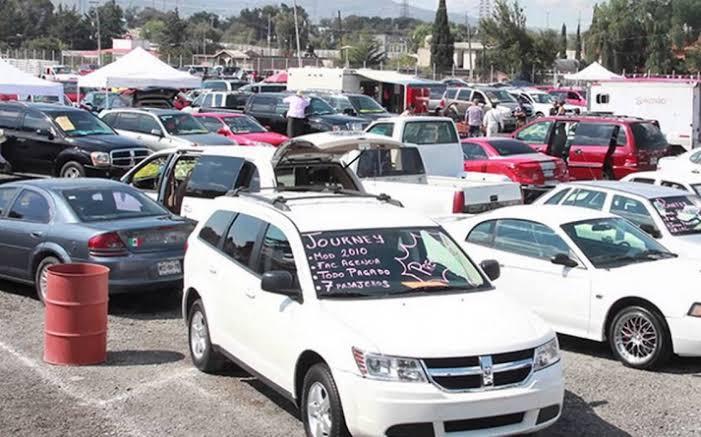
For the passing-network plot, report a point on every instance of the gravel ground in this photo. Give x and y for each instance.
(148, 387)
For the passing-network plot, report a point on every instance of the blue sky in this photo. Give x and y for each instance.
(560, 11)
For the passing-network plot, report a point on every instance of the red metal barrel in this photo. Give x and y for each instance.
(75, 326)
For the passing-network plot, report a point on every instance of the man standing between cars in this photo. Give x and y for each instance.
(493, 121)
(296, 113)
(474, 117)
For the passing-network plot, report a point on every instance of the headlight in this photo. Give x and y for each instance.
(695, 310)
(387, 368)
(100, 158)
(546, 355)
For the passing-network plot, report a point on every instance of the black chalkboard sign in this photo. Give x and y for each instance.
(679, 214)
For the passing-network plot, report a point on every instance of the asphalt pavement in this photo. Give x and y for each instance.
(148, 386)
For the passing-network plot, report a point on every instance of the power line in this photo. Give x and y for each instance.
(404, 9)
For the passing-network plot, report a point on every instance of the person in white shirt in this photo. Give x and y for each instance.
(3, 163)
(296, 113)
(493, 121)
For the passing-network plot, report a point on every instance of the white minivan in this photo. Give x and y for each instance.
(372, 323)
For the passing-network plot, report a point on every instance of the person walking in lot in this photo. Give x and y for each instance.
(474, 117)
(296, 114)
(409, 111)
(3, 163)
(493, 121)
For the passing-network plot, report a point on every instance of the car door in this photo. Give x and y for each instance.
(536, 135)
(41, 145)
(24, 227)
(589, 148)
(7, 195)
(524, 249)
(14, 147)
(151, 133)
(476, 158)
(127, 124)
(148, 174)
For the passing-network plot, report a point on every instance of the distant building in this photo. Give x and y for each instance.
(394, 46)
(464, 52)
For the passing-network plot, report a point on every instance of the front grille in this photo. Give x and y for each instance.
(483, 423)
(485, 372)
(128, 158)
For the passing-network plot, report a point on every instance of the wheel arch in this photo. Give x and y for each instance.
(627, 302)
(306, 360)
(45, 250)
(77, 155)
(190, 296)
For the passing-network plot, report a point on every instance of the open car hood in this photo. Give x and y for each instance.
(331, 145)
(152, 97)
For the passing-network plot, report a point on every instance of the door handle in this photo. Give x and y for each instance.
(36, 234)
(212, 270)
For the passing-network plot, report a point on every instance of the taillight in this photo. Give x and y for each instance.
(458, 202)
(528, 173)
(441, 104)
(107, 245)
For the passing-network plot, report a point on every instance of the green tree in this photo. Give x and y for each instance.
(509, 45)
(175, 35)
(365, 52)
(285, 28)
(562, 51)
(442, 47)
(112, 22)
(418, 36)
(46, 44)
(153, 30)
(578, 45)
(72, 29)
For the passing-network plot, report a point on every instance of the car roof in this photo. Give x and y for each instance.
(647, 191)
(317, 212)
(690, 177)
(594, 119)
(43, 107)
(50, 184)
(219, 114)
(154, 111)
(249, 152)
(550, 215)
(414, 118)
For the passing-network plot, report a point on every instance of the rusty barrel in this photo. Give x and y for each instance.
(75, 323)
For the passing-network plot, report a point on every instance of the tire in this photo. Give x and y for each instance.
(639, 338)
(72, 169)
(203, 355)
(322, 413)
(539, 114)
(40, 276)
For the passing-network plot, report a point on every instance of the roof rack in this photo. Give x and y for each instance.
(280, 202)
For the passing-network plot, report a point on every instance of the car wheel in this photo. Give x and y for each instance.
(321, 405)
(639, 338)
(41, 276)
(203, 355)
(72, 170)
(539, 114)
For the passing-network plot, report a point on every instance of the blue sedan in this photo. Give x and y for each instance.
(51, 221)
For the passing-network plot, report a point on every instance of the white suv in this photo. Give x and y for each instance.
(367, 316)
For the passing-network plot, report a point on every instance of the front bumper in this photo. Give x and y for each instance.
(372, 407)
(108, 172)
(686, 335)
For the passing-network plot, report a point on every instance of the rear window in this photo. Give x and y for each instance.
(648, 136)
(397, 162)
(96, 204)
(430, 132)
(213, 231)
(680, 214)
(436, 91)
(310, 175)
(9, 118)
(213, 176)
(215, 85)
(511, 147)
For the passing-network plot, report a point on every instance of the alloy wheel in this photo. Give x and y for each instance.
(636, 338)
(71, 173)
(319, 411)
(198, 335)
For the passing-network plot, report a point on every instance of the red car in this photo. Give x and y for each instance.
(585, 140)
(241, 128)
(571, 96)
(514, 159)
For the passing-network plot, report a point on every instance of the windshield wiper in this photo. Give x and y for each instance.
(647, 255)
(654, 254)
(428, 289)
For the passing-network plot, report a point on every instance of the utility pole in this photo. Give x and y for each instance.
(547, 20)
(99, 34)
(404, 9)
(270, 53)
(469, 45)
(299, 51)
(340, 29)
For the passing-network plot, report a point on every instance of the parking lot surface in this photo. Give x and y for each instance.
(148, 386)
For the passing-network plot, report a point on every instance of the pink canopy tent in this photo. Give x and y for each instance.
(279, 77)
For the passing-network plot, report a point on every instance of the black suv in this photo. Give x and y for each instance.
(270, 110)
(63, 141)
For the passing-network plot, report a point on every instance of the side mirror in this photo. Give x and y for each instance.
(223, 131)
(564, 260)
(156, 132)
(280, 282)
(491, 269)
(651, 230)
(350, 111)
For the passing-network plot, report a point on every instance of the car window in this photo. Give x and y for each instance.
(557, 197)
(464, 94)
(511, 147)
(147, 177)
(30, 206)
(110, 119)
(182, 124)
(211, 123)
(631, 209)
(643, 181)
(695, 157)
(99, 204)
(9, 117)
(276, 253)
(213, 176)
(529, 239)
(385, 163)
(215, 85)
(430, 132)
(215, 228)
(680, 214)
(594, 134)
(479, 97)
(473, 152)
(241, 238)
(148, 125)
(572, 95)
(323, 175)
(207, 101)
(248, 177)
(385, 129)
(36, 122)
(648, 136)
(482, 234)
(535, 133)
(127, 121)
(586, 198)
(676, 185)
(6, 195)
(262, 103)
(318, 106)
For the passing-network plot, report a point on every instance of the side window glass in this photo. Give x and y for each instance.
(473, 152)
(644, 181)
(30, 206)
(6, 195)
(215, 228)
(632, 210)
(557, 197)
(148, 176)
(211, 123)
(9, 117)
(482, 234)
(36, 123)
(248, 177)
(586, 199)
(110, 119)
(276, 254)
(241, 238)
(673, 185)
(535, 133)
(479, 97)
(213, 176)
(516, 236)
(549, 243)
(149, 125)
(385, 129)
(622, 137)
(695, 157)
(129, 122)
(594, 134)
(464, 95)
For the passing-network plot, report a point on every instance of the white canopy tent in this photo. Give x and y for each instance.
(16, 81)
(593, 73)
(138, 69)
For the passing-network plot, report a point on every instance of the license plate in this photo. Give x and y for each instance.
(548, 173)
(653, 161)
(169, 268)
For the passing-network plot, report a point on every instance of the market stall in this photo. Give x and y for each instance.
(18, 83)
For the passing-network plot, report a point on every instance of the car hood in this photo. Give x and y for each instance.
(372, 116)
(261, 137)
(104, 143)
(337, 119)
(687, 246)
(206, 139)
(477, 323)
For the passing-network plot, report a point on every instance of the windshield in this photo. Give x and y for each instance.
(614, 242)
(511, 147)
(500, 96)
(243, 125)
(340, 103)
(680, 214)
(541, 98)
(80, 124)
(70, 87)
(436, 91)
(95, 204)
(62, 70)
(648, 136)
(182, 124)
(116, 100)
(388, 262)
(366, 105)
(319, 106)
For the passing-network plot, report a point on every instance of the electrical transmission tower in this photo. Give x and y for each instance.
(485, 9)
(404, 9)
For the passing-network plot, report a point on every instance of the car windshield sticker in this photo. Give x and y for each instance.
(65, 123)
(680, 214)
